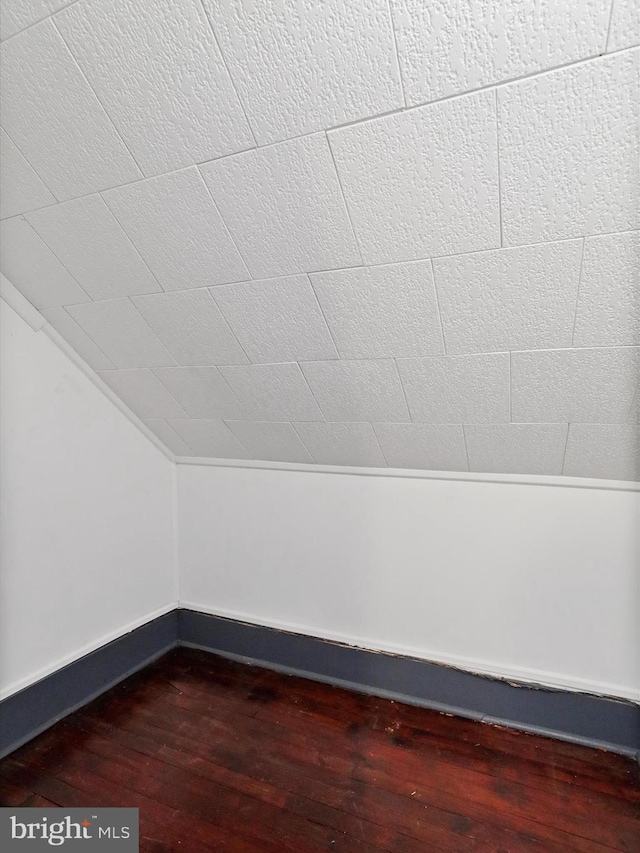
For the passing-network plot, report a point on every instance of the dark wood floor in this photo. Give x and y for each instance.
(230, 758)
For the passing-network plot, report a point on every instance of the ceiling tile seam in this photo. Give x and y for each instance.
(307, 383)
(404, 392)
(435, 290)
(397, 52)
(379, 443)
(25, 218)
(377, 117)
(498, 168)
(324, 317)
(466, 448)
(231, 432)
(224, 379)
(564, 455)
(131, 243)
(227, 229)
(577, 305)
(30, 164)
(39, 21)
(95, 95)
(75, 322)
(144, 319)
(608, 35)
(166, 420)
(315, 462)
(344, 198)
(229, 75)
(227, 322)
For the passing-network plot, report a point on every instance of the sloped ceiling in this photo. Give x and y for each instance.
(347, 232)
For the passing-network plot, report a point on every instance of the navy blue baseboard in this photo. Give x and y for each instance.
(595, 721)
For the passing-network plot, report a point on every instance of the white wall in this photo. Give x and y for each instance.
(528, 581)
(86, 513)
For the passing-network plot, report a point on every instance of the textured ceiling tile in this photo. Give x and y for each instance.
(625, 25)
(522, 298)
(201, 392)
(610, 451)
(143, 393)
(121, 333)
(284, 207)
(158, 71)
(446, 48)
(31, 267)
(273, 392)
(357, 390)
(634, 413)
(169, 437)
(516, 448)
(88, 240)
(342, 444)
(424, 182)
(609, 303)
(210, 438)
(190, 325)
(587, 386)
(174, 224)
(22, 189)
(300, 67)
(457, 389)
(436, 447)
(67, 327)
(276, 320)
(16, 15)
(55, 119)
(375, 312)
(569, 151)
(271, 441)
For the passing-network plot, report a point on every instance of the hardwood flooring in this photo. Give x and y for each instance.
(225, 757)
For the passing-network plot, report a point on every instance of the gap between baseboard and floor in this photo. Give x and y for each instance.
(582, 718)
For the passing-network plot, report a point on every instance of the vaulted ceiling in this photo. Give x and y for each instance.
(348, 232)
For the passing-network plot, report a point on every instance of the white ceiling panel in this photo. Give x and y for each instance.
(516, 448)
(423, 182)
(457, 389)
(121, 332)
(569, 151)
(161, 78)
(190, 325)
(301, 67)
(31, 266)
(53, 116)
(585, 386)
(209, 438)
(143, 393)
(22, 188)
(446, 48)
(378, 233)
(273, 392)
(342, 444)
(276, 320)
(270, 441)
(438, 447)
(201, 391)
(377, 312)
(174, 224)
(284, 207)
(522, 298)
(88, 240)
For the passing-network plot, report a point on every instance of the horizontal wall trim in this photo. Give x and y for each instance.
(532, 677)
(416, 474)
(595, 721)
(33, 710)
(85, 650)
